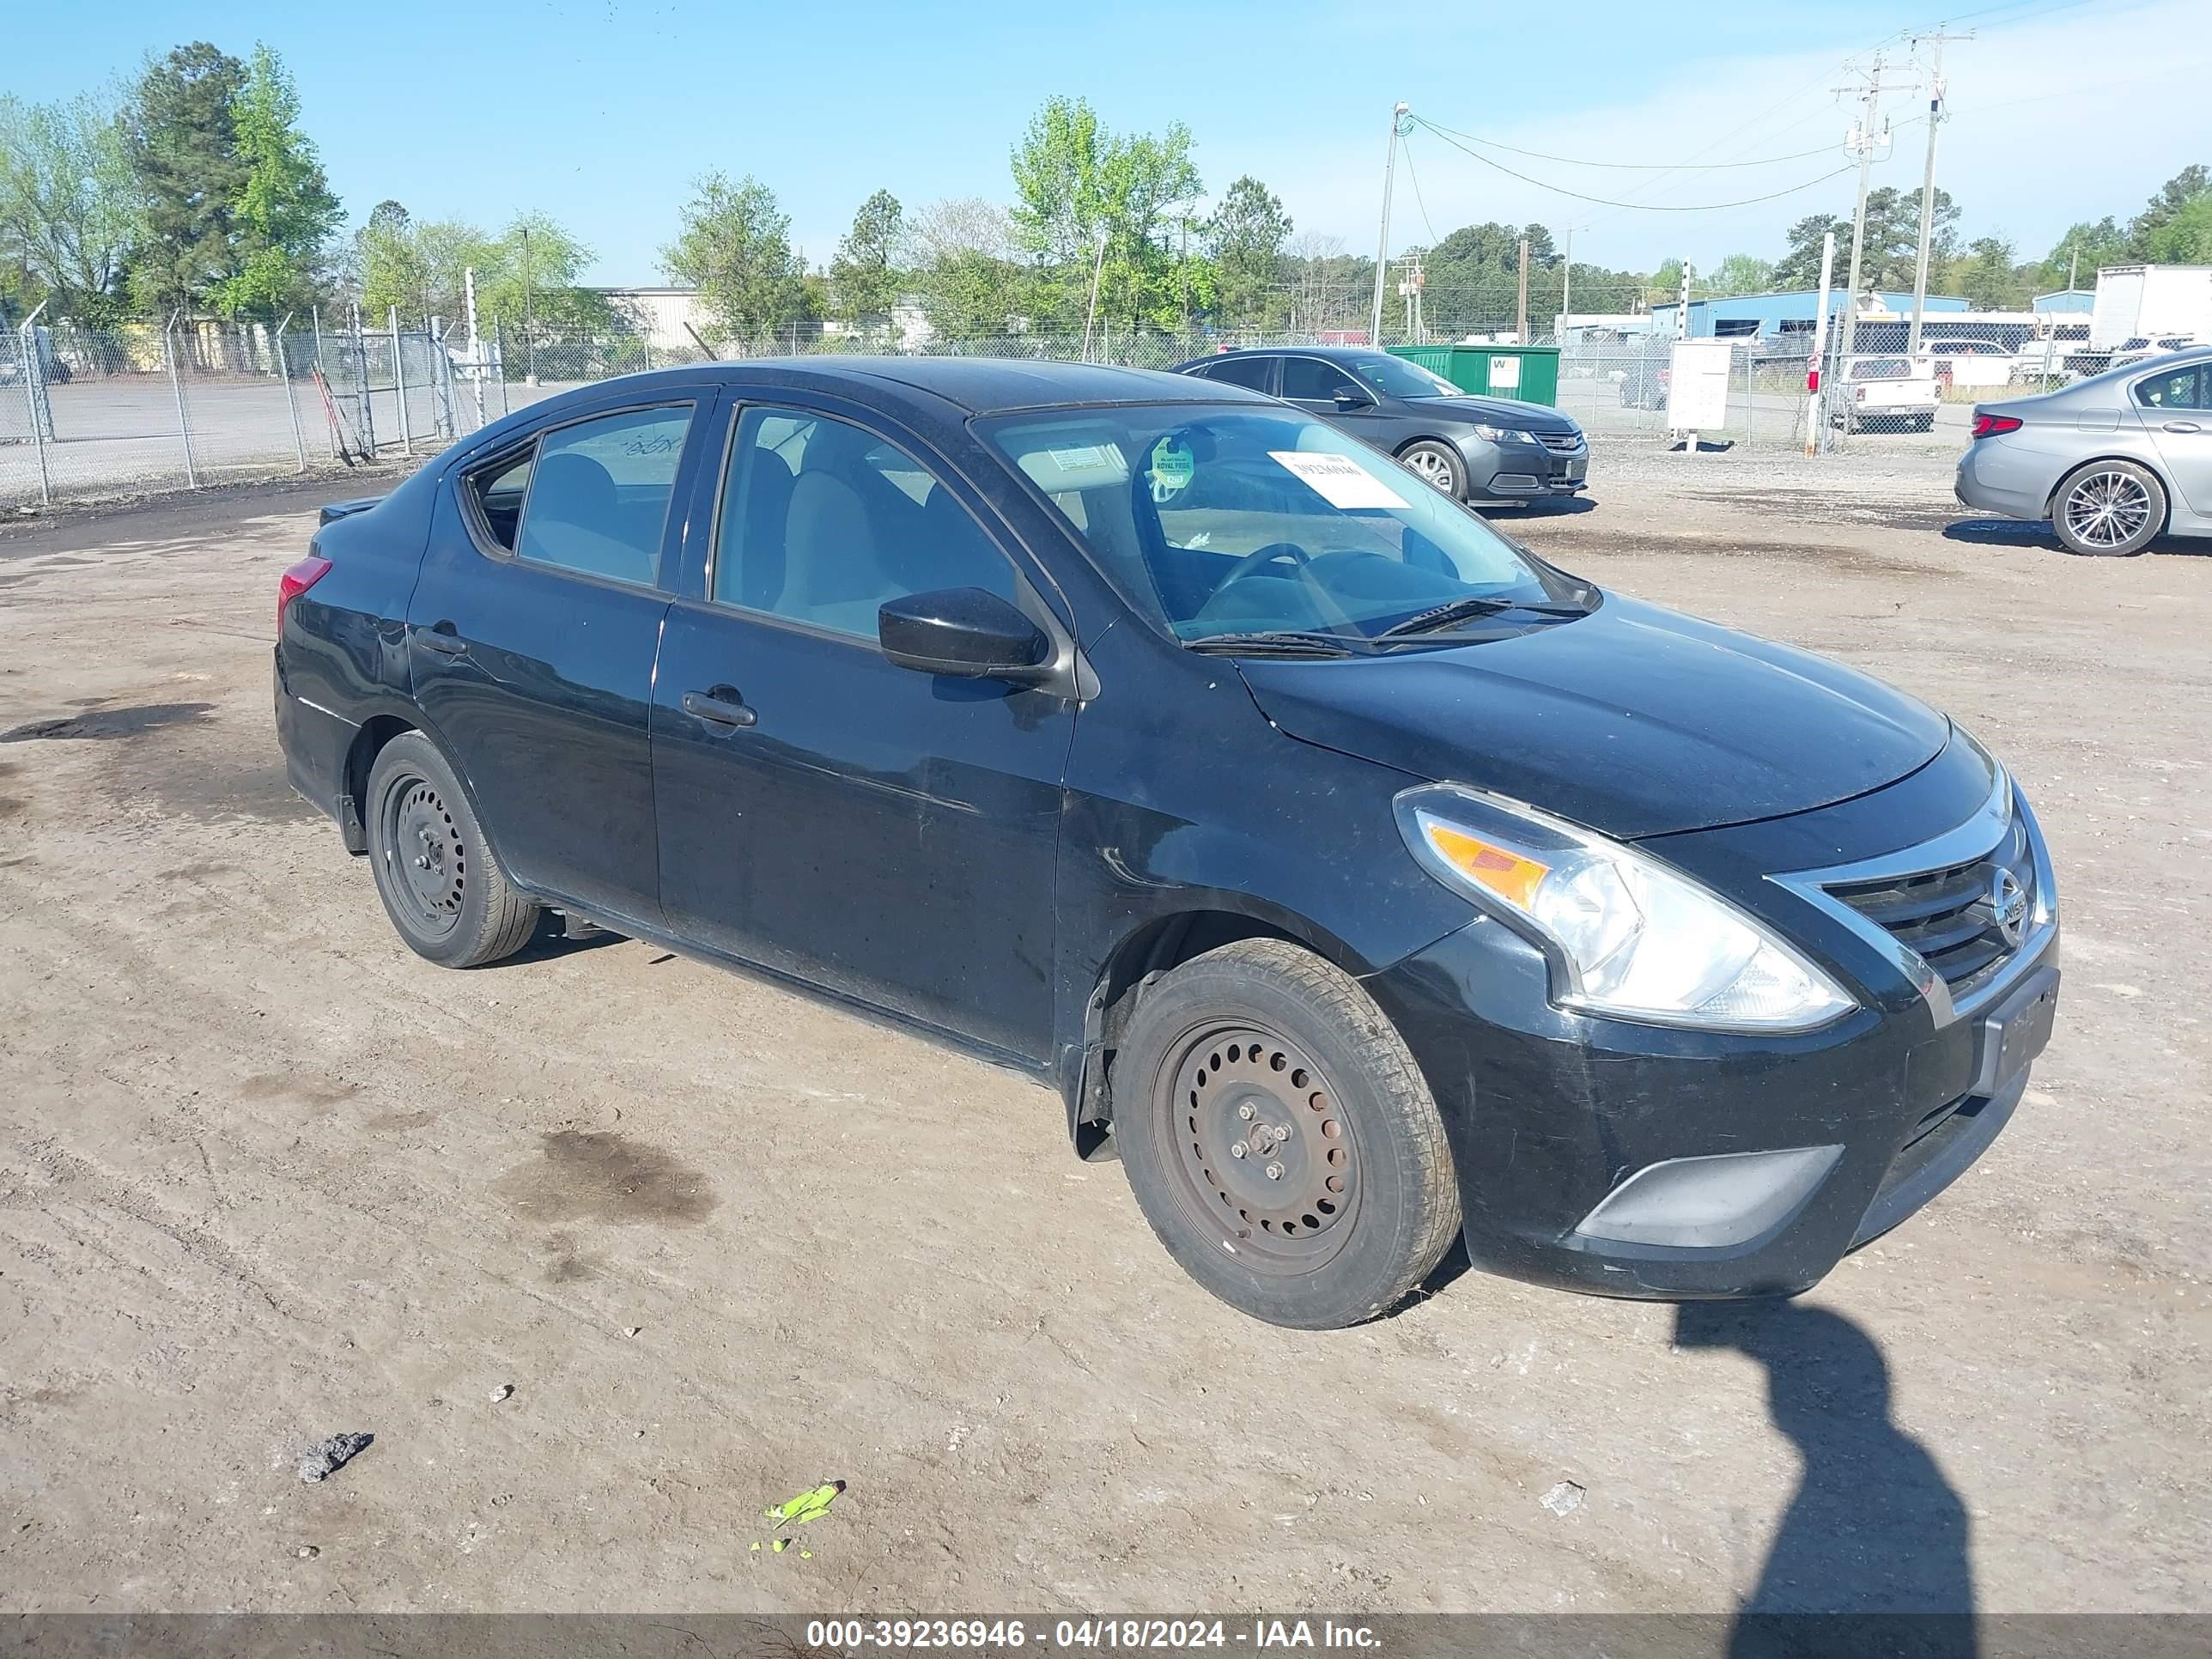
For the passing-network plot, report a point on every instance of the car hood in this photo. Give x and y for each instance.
(1633, 720)
(1499, 411)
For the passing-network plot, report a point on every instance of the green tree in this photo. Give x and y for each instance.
(1244, 239)
(865, 278)
(180, 139)
(1799, 267)
(69, 206)
(960, 253)
(734, 247)
(284, 212)
(2080, 251)
(1989, 276)
(2186, 237)
(2175, 194)
(1080, 190)
(1740, 273)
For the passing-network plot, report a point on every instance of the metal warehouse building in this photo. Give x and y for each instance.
(1770, 316)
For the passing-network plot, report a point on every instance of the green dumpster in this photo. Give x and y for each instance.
(1529, 374)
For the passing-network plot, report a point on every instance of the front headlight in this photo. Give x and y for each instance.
(1627, 935)
(1498, 434)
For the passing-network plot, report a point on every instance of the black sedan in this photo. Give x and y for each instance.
(1491, 450)
(1358, 878)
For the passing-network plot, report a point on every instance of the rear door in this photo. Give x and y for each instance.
(889, 835)
(532, 637)
(2177, 407)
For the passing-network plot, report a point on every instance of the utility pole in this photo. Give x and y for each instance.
(1566, 287)
(1383, 244)
(1863, 141)
(1098, 270)
(529, 324)
(1819, 346)
(1521, 308)
(1928, 180)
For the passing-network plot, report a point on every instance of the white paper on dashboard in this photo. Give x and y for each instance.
(1337, 480)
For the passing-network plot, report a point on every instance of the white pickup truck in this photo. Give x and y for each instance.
(1886, 394)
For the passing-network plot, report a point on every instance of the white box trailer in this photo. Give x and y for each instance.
(2149, 300)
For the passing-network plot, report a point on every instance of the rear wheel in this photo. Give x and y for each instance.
(1436, 464)
(1280, 1139)
(444, 893)
(2109, 509)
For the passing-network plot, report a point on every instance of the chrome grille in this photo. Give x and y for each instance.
(1560, 443)
(1949, 916)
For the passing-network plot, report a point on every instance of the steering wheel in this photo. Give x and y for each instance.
(1260, 557)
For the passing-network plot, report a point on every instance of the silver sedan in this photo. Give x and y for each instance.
(2113, 461)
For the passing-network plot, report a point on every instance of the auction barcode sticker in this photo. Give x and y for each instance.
(1337, 480)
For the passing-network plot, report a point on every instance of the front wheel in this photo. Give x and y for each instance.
(445, 894)
(2109, 509)
(1437, 463)
(1280, 1139)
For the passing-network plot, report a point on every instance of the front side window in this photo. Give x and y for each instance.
(1311, 380)
(1227, 521)
(2180, 388)
(597, 494)
(823, 521)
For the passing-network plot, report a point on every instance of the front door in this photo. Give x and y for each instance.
(532, 636)
(1312, 383)
(889, 835)
(2177, 407)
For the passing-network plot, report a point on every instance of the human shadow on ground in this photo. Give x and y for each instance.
(1873, 1531)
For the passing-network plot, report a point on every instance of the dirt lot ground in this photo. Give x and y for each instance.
(266, 1177)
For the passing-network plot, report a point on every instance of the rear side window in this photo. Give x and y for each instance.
(595, 497)
(1251, 372)
(2178, 390)
(498, 490)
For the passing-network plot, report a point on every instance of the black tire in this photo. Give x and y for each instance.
(445, 894)
(1437, 464)
(1363, 1203)
(2109, 509)
(1926, 423)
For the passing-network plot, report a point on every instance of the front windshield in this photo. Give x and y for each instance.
(1222, 523)
(1396, 378)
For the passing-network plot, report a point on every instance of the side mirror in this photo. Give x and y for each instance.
(1349, 397)
(962, 631)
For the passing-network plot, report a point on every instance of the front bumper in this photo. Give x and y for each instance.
(1635, 1161)
(1513, 471)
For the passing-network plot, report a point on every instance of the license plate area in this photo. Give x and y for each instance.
(2016, 1031)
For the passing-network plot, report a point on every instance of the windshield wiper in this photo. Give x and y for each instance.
(1472, 605)
(1288, 643)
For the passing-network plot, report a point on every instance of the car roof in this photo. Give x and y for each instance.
(994, 385)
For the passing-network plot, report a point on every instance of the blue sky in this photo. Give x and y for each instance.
(602, 112)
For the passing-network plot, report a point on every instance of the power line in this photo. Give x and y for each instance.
(1640, 207)
(1407, 150)
(1633, 167)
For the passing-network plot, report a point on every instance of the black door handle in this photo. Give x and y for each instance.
(722, 705)
(442, 638)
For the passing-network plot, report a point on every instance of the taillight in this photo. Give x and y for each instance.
(1859, 396)
(1988, 426)
(298, 579)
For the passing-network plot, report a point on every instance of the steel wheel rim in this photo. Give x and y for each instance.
(2107, 509)
(425, 859)
(1240, 1085)
(1433, 468)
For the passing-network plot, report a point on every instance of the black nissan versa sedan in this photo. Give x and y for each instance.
(1356, 876)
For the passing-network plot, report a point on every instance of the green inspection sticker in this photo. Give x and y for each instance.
(1173, 468)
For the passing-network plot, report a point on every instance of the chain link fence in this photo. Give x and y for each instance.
(158, 403)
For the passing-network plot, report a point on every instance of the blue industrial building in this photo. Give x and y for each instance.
(1776, 316)
(2083, 300)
